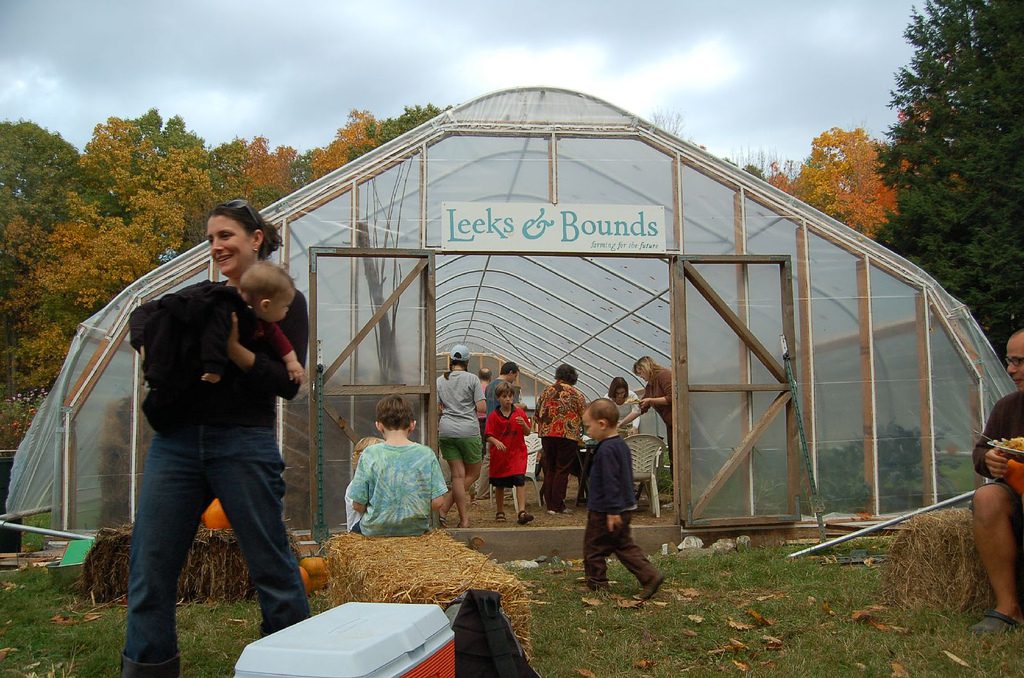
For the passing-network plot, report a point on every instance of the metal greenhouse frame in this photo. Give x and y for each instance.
(426, 242)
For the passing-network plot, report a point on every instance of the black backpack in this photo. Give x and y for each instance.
(485, 645)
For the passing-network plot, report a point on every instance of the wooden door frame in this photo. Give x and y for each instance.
(683, 273)
(425, 272)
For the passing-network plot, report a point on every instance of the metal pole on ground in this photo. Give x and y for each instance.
(42, 530)
(874, 528)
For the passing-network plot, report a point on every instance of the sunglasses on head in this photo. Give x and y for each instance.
(239, 204)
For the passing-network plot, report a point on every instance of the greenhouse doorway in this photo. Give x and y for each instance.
(372, 334)
(739, 443)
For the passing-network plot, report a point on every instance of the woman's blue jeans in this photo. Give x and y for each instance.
(184, 471)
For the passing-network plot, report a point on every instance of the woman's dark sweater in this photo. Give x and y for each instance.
(239, 398)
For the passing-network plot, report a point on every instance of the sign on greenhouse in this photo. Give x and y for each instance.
(544, 227)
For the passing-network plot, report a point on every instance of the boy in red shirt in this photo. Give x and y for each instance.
(506, 432)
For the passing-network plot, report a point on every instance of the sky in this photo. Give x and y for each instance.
(742, 77)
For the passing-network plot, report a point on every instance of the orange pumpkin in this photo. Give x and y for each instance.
(214, 517)
(316, 568)
(305, 580)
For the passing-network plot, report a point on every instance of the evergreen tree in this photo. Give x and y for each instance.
(956, 158)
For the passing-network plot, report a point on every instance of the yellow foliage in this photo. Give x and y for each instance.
(841, 179)
(351, 141)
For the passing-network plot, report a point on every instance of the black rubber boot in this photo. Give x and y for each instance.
(168, 669)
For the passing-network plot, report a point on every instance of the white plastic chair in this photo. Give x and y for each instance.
(646, 452)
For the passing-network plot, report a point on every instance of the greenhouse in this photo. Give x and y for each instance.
(546, 226)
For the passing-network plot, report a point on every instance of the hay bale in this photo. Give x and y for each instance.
(105, 569)
(432, 568)
(934, 563)
(214, 569)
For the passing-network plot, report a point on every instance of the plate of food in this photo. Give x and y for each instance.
(1015, 446)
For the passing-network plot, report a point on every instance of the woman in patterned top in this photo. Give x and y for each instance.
(560, 427)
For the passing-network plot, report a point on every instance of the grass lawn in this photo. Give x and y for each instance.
(751, 612)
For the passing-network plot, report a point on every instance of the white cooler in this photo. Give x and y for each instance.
(356, 640)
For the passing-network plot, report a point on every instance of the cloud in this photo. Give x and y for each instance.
(741, 74)
(589, 67)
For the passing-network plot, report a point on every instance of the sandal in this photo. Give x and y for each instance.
(524, 517)
(994, 622)
(442, 520)
(500, 516)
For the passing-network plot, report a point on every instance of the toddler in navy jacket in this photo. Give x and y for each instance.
(610, 505)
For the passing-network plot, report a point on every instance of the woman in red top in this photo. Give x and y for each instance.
(657, 393)
(560, 427)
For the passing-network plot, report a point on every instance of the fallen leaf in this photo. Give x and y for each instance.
(91, 616)
(689, 633)
(826, 608)
(898, 671)
(63, 620)
(739, 626)
(689, 593)
(593, 602)
(586, 673)
(733, 646)
(759, 618)
(695, 618)
(643, 664)
(812, 600)
(627, 603)
(862, 667)
(581, 630)
(8, 585)
(887, 627)
(861, 616)
(659, 603)
(955, 659)
(772, 643)
(742, 666)
(5, 651)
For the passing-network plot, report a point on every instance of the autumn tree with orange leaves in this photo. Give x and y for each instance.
(76, 229)
(841, 178)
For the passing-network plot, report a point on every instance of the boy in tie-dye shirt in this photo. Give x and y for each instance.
(398, 482)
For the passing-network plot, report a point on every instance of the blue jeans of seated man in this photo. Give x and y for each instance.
(184, 471)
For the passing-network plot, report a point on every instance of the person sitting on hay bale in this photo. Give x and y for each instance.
(352, 516)
(998, 519)
(398, 482)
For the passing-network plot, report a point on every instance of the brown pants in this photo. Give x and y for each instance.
(557, 460)
(599, 543)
